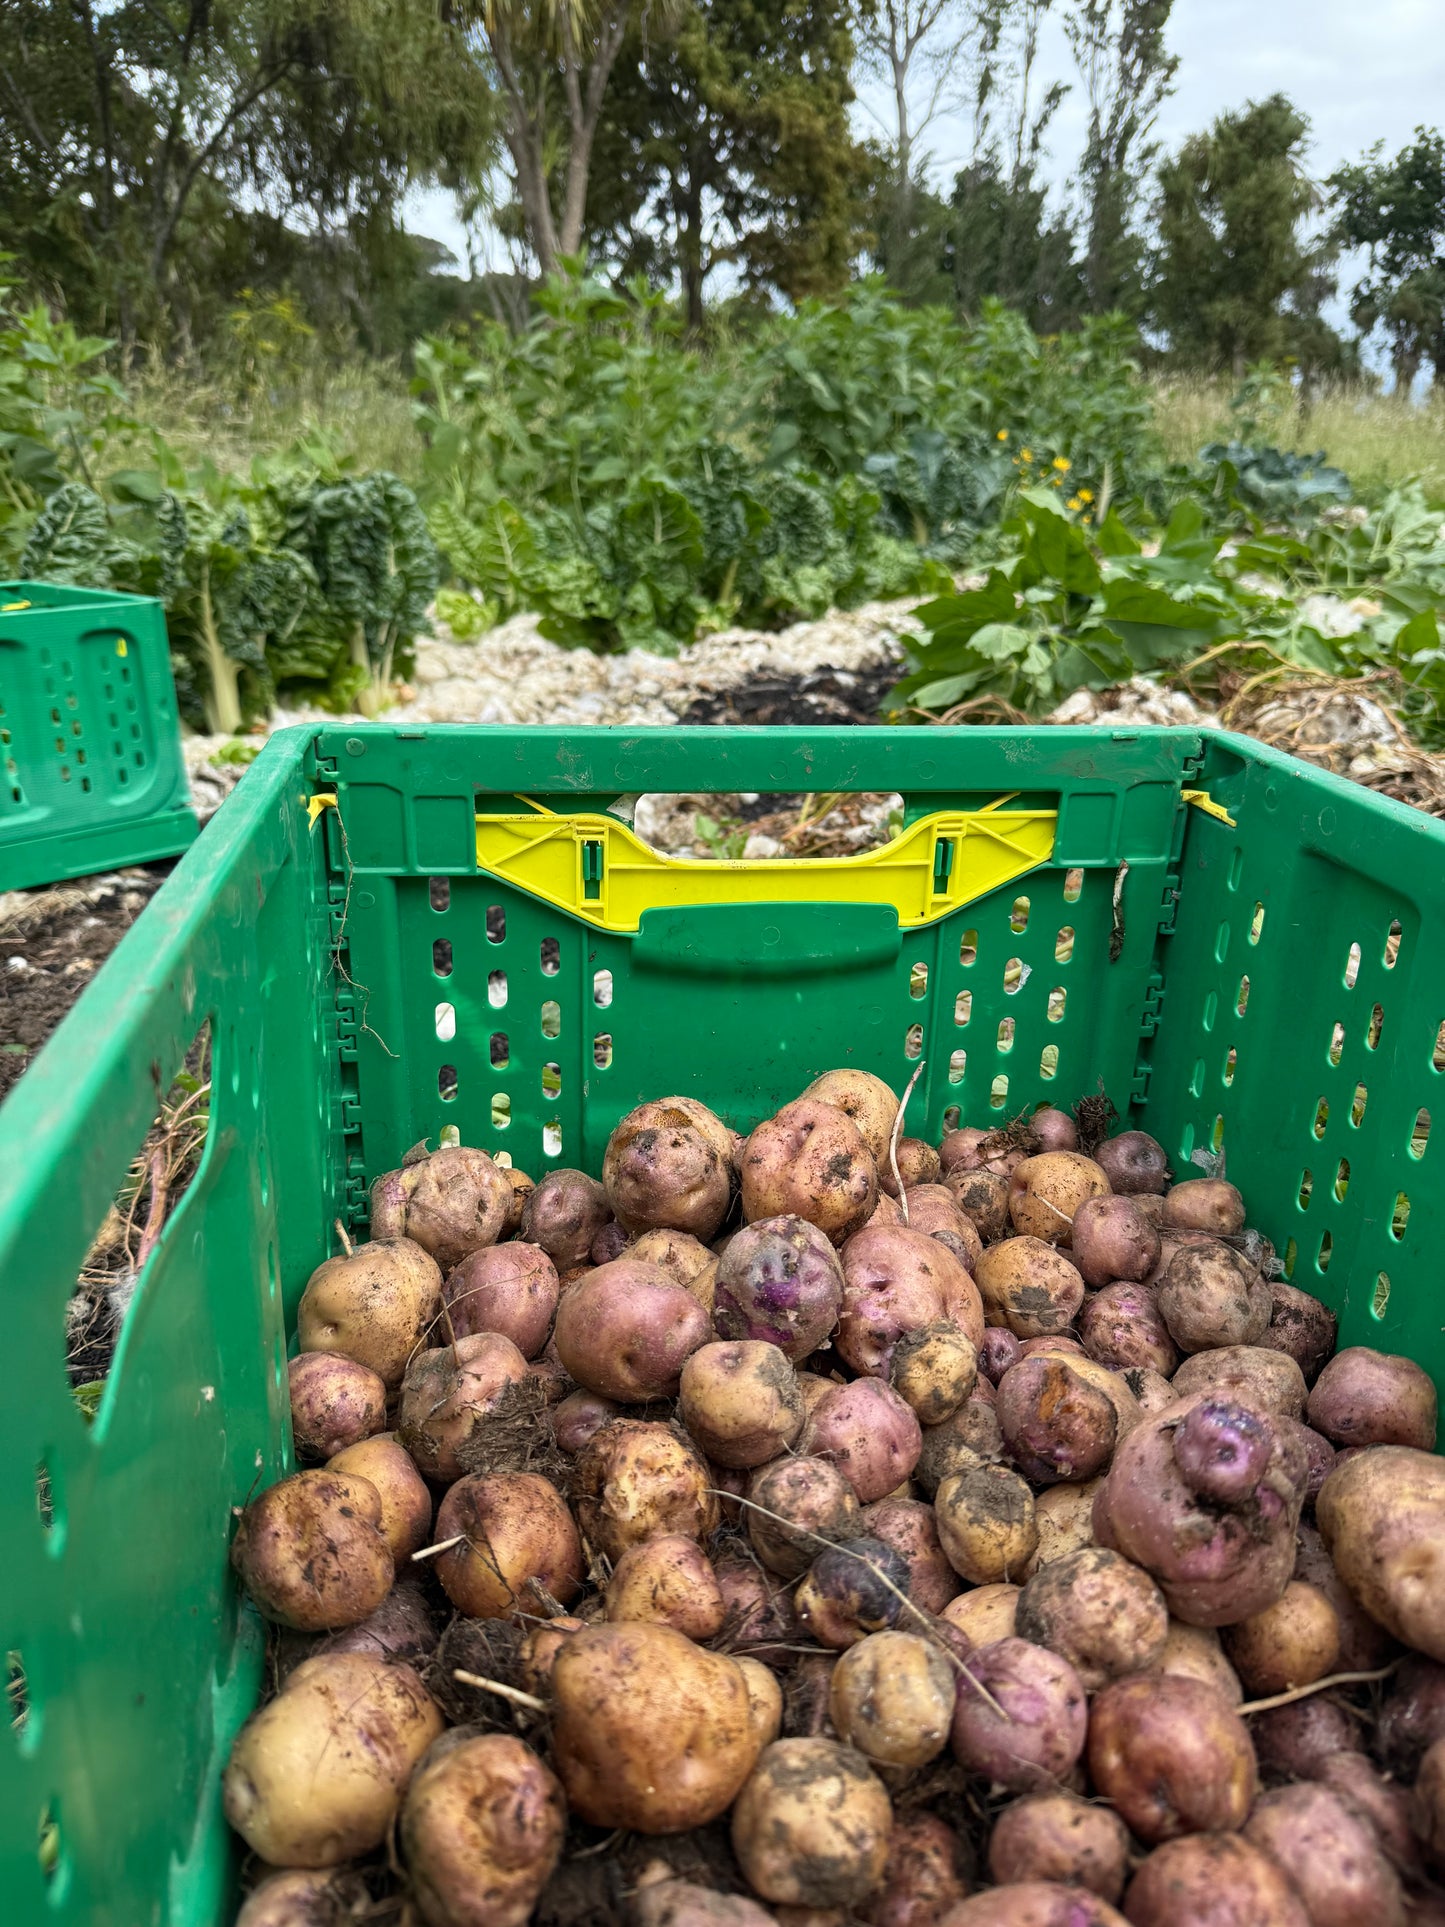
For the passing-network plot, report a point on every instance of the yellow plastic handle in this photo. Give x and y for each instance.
(595, 868)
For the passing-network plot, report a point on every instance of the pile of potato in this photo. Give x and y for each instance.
(827, 1528)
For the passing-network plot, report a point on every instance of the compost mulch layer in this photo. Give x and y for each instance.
(822, 695)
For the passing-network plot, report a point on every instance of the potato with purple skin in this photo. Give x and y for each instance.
(1210, 1297)
(928, 1870)
(1212, 1880)
(779, 1281)
(1382, 1517)
(634, 1481)
(1292, 1643)
(867, 1431)
(1121, 1327)
(1033, 1903)
(519, 1545)
(918, 1163)
(1171, 1756)
(665, 1165)
(681, 1903)
(1045, 1192)
(759, 1620)
(741, 1402)
(1301, 1327)
(311, 1552)
(1204, 1204)
(1270, 1381)
(1059, 1837)
(865, 1100)
(986, 1523)
(890, 1286)
(375, 1305)
(481, 1832)
(1365, 1397)
(795, 1505)
(809, 1162)
(1206, 1497)
(401, 1628)
(1295, 1741)
(1039, 1736)
(1134, 1163)
(1386, 1806)
(1054, 1130)
(1413, 1716)
(447, 1396)
(999, 1350)
(934, 1370)
(405, 1501)
(1056, 1426)
(1100, 1612)
(1029, 1286)
(851, 1591)
(299, 1897)
(564, 1215)
(909, 1527)
(1330, 1856)
(1113, 1240)
(667, 1581)
(626, 1330)
(510, 1288)
(892, 1697)
(334, 1403)
(578, 1416)
(451, 1202)
(1427, 1803)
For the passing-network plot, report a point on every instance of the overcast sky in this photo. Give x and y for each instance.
(1362, 70)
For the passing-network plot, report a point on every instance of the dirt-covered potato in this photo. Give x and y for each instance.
(966, 1437)
(999, 1350)
(1382, 1516)
(850, 1591)
(447, 1396)
(1097, 1610)
(984, 1613)
(1331, 1856)
(811, 1827)
(1291, 1643)
(1055, 1424)
(780, 1281)
(1064, 1516)
(1206, 1497)
(402, 1627)
(1028, 1285)
(1250, 1373)
(1413, 1715)
(685, 1259)
(1301, 1327)
(868, 1432)
(563, 1215)
(1204, 1204)
(538, 1652)
(311, 1552)
(1037, 1737)
(982, 1197)
(918, 1163)
(892, 1697)
(1045, 1192)
(1364, 1397)
(315, 1777)
(1171, 1756)
(740, 1401)
(765, 1698)
(481, 1832)
(649, 1731)
(933, 1370)
(864, 1099)
(634, 1480)
(759, 1620)
(1386, 1806)
(1122, 1327)
(1113, 1239)
(667, 1582)
(908, 1526)
(1215, 1880)
(796, 1506)
(578, 1416)
(522, 1188)
(510, 1288)
(971, 1148)
(1134, 1163)
(810, 1161)
(626, 1330)
(1058, 1836)
(334, 1403)
(682, 1903)
(405, 1501)
(986, 1523)
(520, 1544)
(895, 1281)
(450, 1202)
(299, 1897)
(666, 1165)
(929, 1868)
(374, 1305)
(1295, 1742)
(1033, 1903)
(1210, 1297)
(1195, 1652)
(933, 1209)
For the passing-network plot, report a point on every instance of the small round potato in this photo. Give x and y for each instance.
(918, 1163)
(1030, 1286)
(1058, 1836)
(863, 1098)
(1045, 1192)
(892, 1697)
(447, 1396)
(311, 1551)
(1210, 1297)
(966, 1437)
(334, 1403)
(1171, 1755)
(1291, 1643)
(482, 1831)
(779, 1281)
(1301, 1327)
(1364, 1397)
(1204, 1204)
(868, 1432)
(520, 1543)
(909, 1527)
(759, 1619)
(666, 1165)
(1097, 1610)
(1113, 1239)
(810, 1161)
(1216, 1878)
(510, 1288)
(741, 1402)
(667, 1581)
(1195, 1652)
(811, 1827)
(798, 1505)
(982, 1197)
(850, 1591)
(627, 1329)
(1036, 1738)
(1122, 1327)
(1064, 1515)
(1134, 1163)
(1055, 1424)
(635, 1480)
(986, 1523)
(406, 1507)
(375, 1305)
(929, 1869)
(933, 1370)
(450, 1202)
(563, 1215)
(984, 1613)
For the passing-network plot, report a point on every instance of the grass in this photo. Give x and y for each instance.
(1375, 439)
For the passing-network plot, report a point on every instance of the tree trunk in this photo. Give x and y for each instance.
(689, 248)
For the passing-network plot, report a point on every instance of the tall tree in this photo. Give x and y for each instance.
(1126, 71)
(915, 48)
(1396, 209)
(727, 145)
(1235, 273)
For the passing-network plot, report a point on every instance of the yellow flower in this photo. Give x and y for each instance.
(1002, 435)
(1026, 454)
(1075, 504)
(1061, 465)
(1086, 495)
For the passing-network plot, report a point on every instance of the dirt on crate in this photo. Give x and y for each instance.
(52, 942)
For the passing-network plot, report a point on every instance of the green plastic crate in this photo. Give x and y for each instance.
(91, 772)
(1270, 989)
